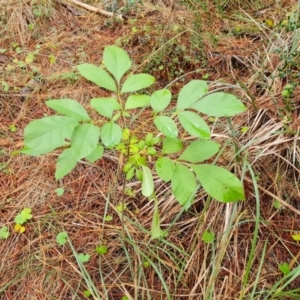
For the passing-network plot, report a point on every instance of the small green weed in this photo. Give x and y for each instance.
(173, 158)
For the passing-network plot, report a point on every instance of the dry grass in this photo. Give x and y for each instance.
(181, 266)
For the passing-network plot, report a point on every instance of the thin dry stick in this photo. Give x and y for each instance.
(96, 10)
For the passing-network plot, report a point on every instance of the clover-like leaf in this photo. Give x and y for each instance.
(23, 216)
(61, 238)
(59, 191)
(102, 249)
(208, 237)
(19, 228)
(4, 233)
(84, 258)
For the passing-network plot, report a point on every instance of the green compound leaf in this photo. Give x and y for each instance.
(111, 134)
(4, 233)
(184, 185)
(117, 61)
(190, 93)
(61, 238)
(147, 183)
(23, 216)
(219, 183)
(84, 258)
(98, 76)
(137, 82)
(84, 140)
(96, 154)
(69, 108)
(47, 134)
(171, 145)
(105, 106)
(166, 125)
(165, 168)
(66, 162)
(199, 151)
(160, 100)
(194, 124)
(135, 101)
(219, 105)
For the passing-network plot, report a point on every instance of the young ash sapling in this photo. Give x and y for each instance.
(174, 159)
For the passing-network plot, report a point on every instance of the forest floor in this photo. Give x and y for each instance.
(248, 48)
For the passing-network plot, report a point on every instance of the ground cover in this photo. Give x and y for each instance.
(244, 250)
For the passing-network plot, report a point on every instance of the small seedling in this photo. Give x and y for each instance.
(5, 86)
(296, 237)
(121, 207)
(59, 191)
(101, 249)
(244, 129)
(4, 233)
(52, 59)
(84, 258)
(108, 218)
(87, 293)
(23, 216)
(146, 264)
(284, 268)
(208, 237)
(61, 238)
(180, 162)
(19, 228)
(276, 204)
(12, 128)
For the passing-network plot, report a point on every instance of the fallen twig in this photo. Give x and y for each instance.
(95, 9)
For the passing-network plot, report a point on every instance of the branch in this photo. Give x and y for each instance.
(96, 10)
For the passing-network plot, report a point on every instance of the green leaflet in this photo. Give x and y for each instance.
(194, 124)
(66, 162)
(84, 140)
(190, 93)
(219, 183)
(105, 106)
(69, 108)
(135, 101)
(199, 151)
(166, 125)
(137, 82)
(164, 168)
(219, 105)
(171, 145)
(147, 183)
(160, 100)
(111, 134)
(184, 185)
(47, 134)
(116, 61)
(98, 76)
